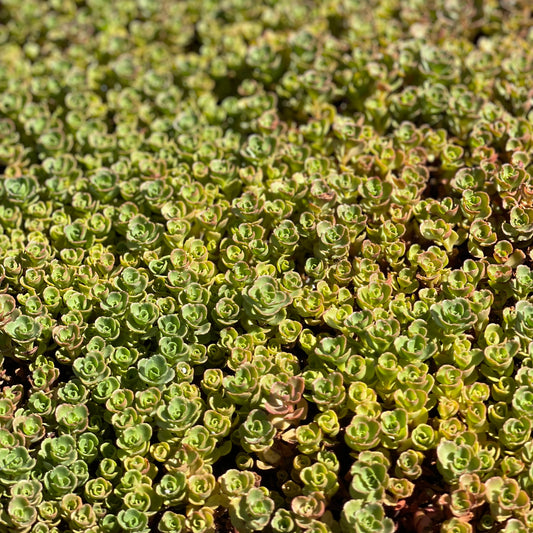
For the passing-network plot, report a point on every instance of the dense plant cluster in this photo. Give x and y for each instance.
(266, 266)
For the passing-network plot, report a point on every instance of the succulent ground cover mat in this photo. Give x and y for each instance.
(266, 266)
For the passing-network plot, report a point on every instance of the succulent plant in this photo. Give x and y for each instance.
(266, 266)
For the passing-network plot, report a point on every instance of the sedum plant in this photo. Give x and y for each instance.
(266, 266)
